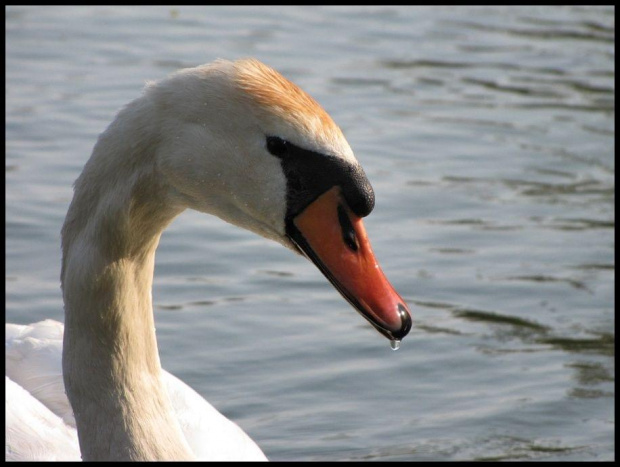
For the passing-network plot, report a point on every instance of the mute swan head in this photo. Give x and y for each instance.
(238, 140)
(222, 124)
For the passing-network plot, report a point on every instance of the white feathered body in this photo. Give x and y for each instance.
(39, 420)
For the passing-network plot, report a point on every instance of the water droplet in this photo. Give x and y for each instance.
(395, 344)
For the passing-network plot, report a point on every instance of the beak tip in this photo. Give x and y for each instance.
(398, 331)
(406, 322)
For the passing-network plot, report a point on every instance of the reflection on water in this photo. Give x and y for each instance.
(488, 135)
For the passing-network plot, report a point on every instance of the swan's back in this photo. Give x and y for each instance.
(35, 433)
(32, 358)
(39, 420)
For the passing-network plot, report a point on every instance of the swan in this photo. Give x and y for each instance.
(233, 139)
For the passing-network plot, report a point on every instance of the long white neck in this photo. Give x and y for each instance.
(110, 360)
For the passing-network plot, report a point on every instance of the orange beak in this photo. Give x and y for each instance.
(334, 238)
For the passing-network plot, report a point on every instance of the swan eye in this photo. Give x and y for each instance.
(277, 146)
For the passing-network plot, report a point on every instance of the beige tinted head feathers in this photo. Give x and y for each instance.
(276, 96)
